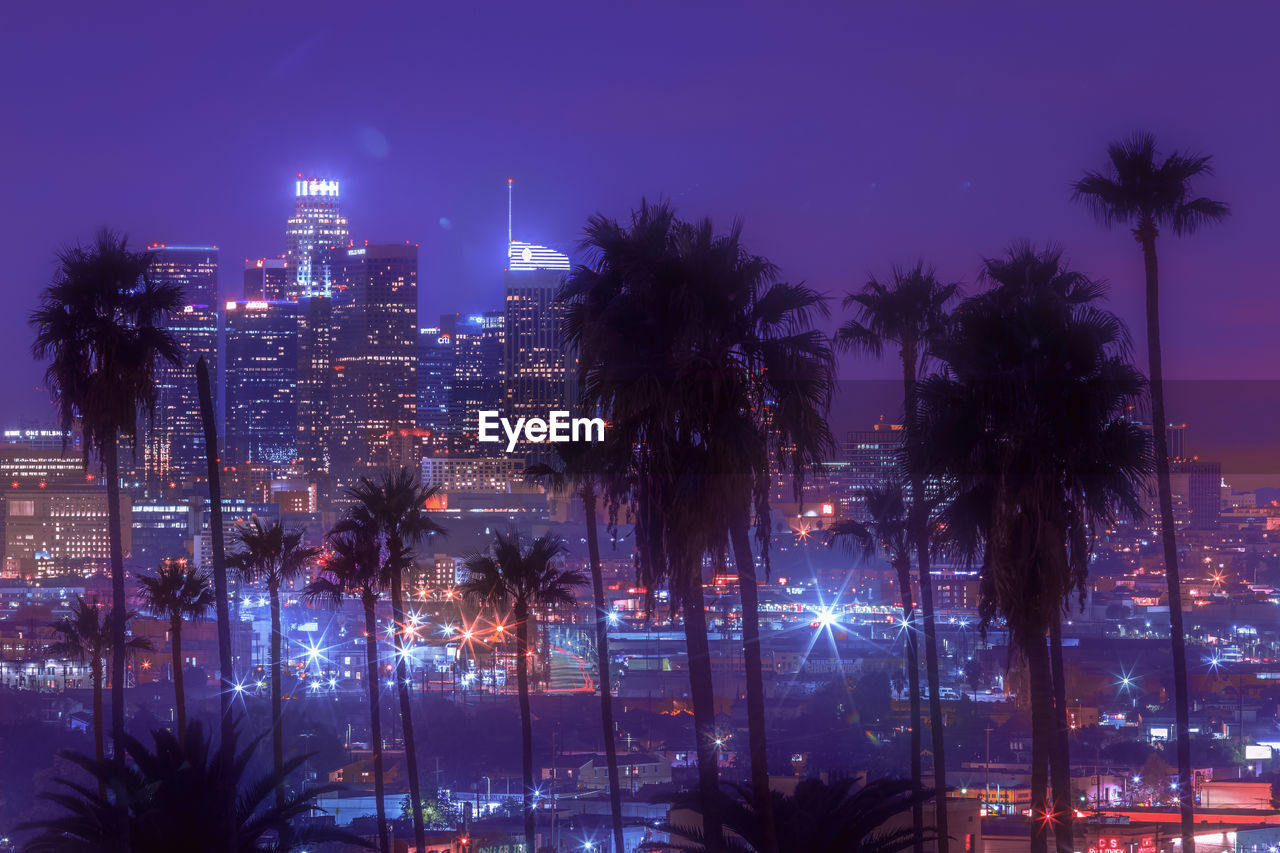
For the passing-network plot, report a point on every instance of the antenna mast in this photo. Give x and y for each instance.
(509, 191)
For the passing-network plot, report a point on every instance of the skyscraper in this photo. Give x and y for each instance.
(173, 439)
(374, 353)
(262, 382)
(270, 279)
(317, 224)
(435, 378)
(478, 352)
(193, 268)
(536, 363)
(315, 387)
(871, 456)
(173, 443)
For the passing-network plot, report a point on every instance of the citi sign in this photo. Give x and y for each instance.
(558, 427)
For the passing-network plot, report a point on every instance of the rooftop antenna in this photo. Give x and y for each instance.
(509, 191)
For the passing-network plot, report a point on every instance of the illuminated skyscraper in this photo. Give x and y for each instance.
(477, 384)
(374, 353)
(435, 378)
(173, 440)
(270, 279)
(315, 386)
(262, 382)
(193, 268)
(173, 446)
(317, 224)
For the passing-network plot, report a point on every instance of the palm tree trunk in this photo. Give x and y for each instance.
(1037, 660)
(406, 709)
(603, 663)
(277, 712)
(219, 559)
(120, 608)
(913, 685)
(179, 689)
(750, 592)
(526, 717)
(99, 751)
(1060, 765)
(920, 534)
(375, 719)
(1168, 538)
(702, 691)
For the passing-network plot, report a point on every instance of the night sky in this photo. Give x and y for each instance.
(846, 140)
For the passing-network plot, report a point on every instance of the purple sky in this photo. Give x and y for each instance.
(846, 139)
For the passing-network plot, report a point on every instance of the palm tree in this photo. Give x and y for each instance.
(1026, 427)
(909, 311)
(1138, 189)
(395, 506)
(817, 818)
(179, 593)
(704, 365)
(581, 468)
(100, 325)
(86, 636)
(887, 529)
(221, 594)
(524, 580)
(355, 565)
(274, 556)
(183, 795)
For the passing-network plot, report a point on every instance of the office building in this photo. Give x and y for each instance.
(871, 458)
(173, 437)
(269, 279)
(495, 475)
(192, 268)
(59, 528)
(374, 353)
(315, 387)
(262, 383)
(435, 378)
(536, 364)
(316, 226)
(477, 385)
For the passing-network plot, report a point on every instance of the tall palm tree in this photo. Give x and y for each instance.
(704, 365)
(355, 566)
(274, 556)
(887, 530)
(395, 506)
(100, 324)
(909, 311)
(220, 591)
(1139, 189)
(181, 795)
(524, 580)
(87, 636)
(177, 592)
(1027, 429)
(580, 468)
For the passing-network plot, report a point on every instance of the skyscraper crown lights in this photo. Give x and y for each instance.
(305, 187)
(531, 256)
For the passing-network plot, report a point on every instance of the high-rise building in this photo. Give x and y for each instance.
(478, 353)
(59, 528)
(317, 225)
(374, 353)
(536, 362)
(269, 279)
(262, 382)
(173, 437)
(192, 268)
(870, 457)
(315, 387)
(435, 376)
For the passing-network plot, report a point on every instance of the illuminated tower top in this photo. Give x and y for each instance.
(316, 225)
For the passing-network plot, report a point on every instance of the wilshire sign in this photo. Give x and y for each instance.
(559, 426)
